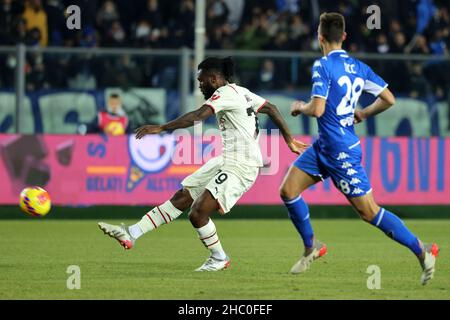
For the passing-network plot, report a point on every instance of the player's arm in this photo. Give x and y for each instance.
(314, 108)
(384, 101)
(275, 115)
(185, 121)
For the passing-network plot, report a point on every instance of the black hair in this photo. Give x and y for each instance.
(114, 96)
(332, 26)
(224, 66)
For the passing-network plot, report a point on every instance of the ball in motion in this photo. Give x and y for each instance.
(35, 201)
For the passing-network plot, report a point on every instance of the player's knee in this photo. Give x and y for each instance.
(182, 199)
(287, 193)
(198, 214)
(366, 214)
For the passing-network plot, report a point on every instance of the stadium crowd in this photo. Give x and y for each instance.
(408, 26)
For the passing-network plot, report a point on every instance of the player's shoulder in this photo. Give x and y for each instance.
(321, 62)
(228, 90)
(221, 94)
(323, 65)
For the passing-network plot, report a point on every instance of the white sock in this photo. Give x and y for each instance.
(159, 215)
(208, 235)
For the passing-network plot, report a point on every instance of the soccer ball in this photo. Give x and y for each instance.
(35, 201)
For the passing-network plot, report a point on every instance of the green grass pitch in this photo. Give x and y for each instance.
(35, 254)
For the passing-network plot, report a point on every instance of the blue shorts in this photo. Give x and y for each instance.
(344, 167)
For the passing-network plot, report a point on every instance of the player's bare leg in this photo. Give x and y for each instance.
(394, 228)
(163, 214)
(199, 216)
(295, 182)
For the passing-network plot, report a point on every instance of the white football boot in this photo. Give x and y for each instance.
(213, 264)
(120, 233)
(319, 250)
(428, 263)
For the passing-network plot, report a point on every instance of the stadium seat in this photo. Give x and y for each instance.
(415, 112)
(8, 114)
(62, 112)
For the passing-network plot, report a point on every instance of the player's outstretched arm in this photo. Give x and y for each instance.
(185, 121)
(384, 101)
(314, 108)
(275, 115)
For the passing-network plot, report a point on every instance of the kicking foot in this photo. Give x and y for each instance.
(120, 233)
(319, 249)
(428, 263)
(213, 264)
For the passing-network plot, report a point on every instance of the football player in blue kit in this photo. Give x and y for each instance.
(337, 83)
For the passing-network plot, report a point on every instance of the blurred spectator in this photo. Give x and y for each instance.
(36, 18)
(185, 24)
(299, 31)
(419, 86)
(111, 121)
(19, 33)
(288, 5)
(152, 14)
(35, 73)
(267, 75)
(106, 16)
(436, 69)
(89, 38)
(115, 36)
(217, 13)
(56, 22)
(399, 42)
(80, 74)
(382, 43)
(236, 9)
(420, 46)
(231, 24)
(270, 78)
(408, 26)
(425, 12)
(9, 10)
(121, 72)
(8, 65)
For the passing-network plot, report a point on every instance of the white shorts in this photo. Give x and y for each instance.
(226, 184)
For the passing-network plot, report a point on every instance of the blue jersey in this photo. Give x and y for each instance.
(341, 79)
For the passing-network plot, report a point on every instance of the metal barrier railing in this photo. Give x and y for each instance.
(183, 56)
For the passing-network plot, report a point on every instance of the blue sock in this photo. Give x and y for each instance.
(394, 228)
(299, 214)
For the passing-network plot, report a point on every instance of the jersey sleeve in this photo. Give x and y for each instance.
(373, 83)
(320, 80)
(257, 102)
(221, 100)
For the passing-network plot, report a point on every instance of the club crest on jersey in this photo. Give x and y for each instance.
(342, 156)
(351, 172)
(357, 191)
(346, 165)
(222, 124)
(355, 181)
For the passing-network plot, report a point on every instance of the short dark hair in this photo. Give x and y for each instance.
(332, 26)
(114, 96)
(223, 66)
